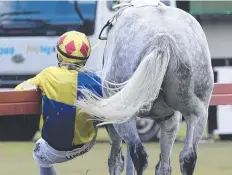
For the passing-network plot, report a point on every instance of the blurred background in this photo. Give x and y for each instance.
(29, 31)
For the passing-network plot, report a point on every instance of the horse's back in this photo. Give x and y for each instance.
(141, 25)
(160, 19)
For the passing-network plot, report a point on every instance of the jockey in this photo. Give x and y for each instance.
(66, 132)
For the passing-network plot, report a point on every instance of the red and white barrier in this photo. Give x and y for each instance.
(29, 101)
(20, 102)
(222, 94)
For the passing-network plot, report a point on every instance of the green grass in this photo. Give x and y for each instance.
(16, 159)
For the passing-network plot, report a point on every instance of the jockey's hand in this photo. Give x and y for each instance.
(29, 86)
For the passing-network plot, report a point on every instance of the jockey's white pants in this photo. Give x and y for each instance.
(46, 156)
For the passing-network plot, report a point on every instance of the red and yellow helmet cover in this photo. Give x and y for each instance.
(73, 47)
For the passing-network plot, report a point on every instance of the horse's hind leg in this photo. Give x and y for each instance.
(195, 129)
(199, 129)
(116, 158)
(169, 130)
(128, 132)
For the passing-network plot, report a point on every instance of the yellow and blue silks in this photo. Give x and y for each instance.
(63, 126)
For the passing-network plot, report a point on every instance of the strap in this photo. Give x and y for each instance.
(109, 23)
(70, 56)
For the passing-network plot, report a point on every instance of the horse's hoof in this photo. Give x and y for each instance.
(139, 157)
(188, 161)
(163, 172)
(116, 163)
(163, 169)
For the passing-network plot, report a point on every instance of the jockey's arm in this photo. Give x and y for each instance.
(32, 83)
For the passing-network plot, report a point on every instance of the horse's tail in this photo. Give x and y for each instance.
(140, 90)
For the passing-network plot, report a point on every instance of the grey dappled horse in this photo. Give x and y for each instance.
(157, 65)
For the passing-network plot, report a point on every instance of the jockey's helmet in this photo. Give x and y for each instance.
(73, 47)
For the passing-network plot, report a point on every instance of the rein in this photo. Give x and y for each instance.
(109, 23)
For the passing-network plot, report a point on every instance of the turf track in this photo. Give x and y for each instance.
(16, 159)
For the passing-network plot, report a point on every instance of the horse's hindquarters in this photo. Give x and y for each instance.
(189, 79)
